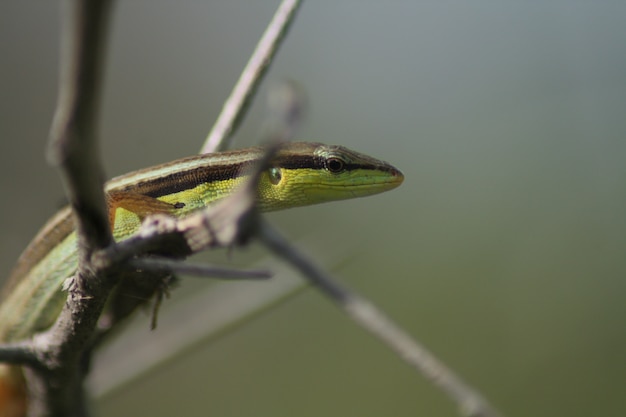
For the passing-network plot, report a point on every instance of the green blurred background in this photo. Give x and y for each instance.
(503, 251)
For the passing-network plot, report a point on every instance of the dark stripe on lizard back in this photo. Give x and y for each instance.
(180, 181)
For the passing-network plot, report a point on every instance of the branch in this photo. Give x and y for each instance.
(157, 265)
(19, 353)
(56, 387)
(379, 325)
(240, 98)
(73, 147)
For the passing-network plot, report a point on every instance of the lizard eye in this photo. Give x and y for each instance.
(275, 175)
(335, 165)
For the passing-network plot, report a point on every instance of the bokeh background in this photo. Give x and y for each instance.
(503, 251)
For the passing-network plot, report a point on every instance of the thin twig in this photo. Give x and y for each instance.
(378, 324)
(19, 353)
(205, 314)
(234, 108)
(198, 270)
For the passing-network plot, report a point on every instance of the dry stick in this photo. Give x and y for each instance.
(375, 322)
(19, 353)
(198, 270)
(56, 388)
(235, 106)
(73, 148)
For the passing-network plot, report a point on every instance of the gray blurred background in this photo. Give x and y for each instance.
(503, 251)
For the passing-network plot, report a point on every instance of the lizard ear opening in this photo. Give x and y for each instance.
(275, 175)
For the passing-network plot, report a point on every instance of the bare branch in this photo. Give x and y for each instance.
(56, 388)
(73, 145)
(378, 324)
(199, 270)
(235, 107)
(19, 353)
(221, 307)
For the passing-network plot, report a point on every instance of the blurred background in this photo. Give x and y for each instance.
(503, 251)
